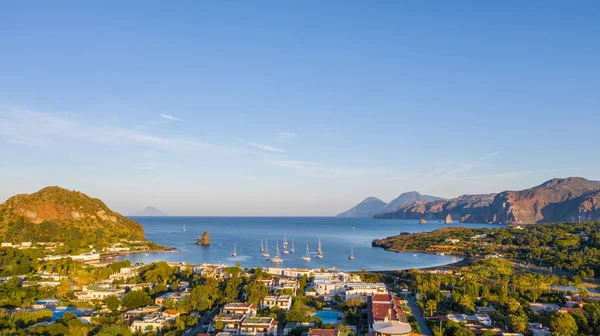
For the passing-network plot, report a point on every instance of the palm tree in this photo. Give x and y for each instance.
(431, 305)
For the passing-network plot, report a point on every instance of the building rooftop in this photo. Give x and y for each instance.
(258, 320)
(392, 327)
(384, 307)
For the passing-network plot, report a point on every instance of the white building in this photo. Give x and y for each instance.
(87, 256)
(96, 292)
(282, 301)
(257, 326)
(348, 290)
(150, 323)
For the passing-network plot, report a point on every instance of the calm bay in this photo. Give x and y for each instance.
(339, 236)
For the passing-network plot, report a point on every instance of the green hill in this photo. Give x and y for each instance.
(60, 215)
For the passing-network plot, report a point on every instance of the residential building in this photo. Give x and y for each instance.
(386, 316)
(242, 308)
(231, 322)
(152, 322)
(282, 301)
(175, 296)
(259, 326)
(87, 256)
(97, 292)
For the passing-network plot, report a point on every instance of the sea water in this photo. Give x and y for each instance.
(338, 236)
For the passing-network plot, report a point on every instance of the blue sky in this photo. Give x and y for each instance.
(296, 107)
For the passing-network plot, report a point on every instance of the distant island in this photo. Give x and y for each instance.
(149, 212)
(372, 206)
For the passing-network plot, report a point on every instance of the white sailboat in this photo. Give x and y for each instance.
(285, 243)
(234, 250)
(183, 227)
(307, 256)
(266, 252)
(319, 251)
(277, 259)
(351, 256)
(262, 248)
(293, 250)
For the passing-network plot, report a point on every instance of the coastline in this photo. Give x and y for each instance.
(113, 255)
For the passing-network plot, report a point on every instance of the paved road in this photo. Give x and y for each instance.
(198, 328)
(419, 316)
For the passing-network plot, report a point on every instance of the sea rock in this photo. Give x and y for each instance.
(422, 221)
(204, 240)
(448, 219)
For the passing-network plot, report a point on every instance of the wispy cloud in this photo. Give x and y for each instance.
(267, 148)
(293, 164)
(169, 117)
(39, 129)
(286, 136)
(322, 170)
(147, 168)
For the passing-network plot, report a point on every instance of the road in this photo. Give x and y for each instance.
(414, 309)
(198, 328)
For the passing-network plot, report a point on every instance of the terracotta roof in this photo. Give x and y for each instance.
(384, 306)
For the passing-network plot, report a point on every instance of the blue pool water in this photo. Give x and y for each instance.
(58, 312)
(328, 316)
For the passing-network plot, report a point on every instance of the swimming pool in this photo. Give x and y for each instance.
(328, 316)
(58, 312)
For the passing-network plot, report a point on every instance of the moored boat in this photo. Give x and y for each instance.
(307, 256)
(277, 259)
(319, 251)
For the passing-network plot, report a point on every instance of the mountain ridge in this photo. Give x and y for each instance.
(367, 208)
(372, 206)
(559, 199)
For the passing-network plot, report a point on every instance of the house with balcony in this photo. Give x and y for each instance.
(258, 326)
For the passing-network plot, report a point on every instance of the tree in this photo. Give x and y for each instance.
(219, 323)
(256, 291)
(78, 330)
(517, 323)
(463, 332)
(299, 313)
(112, 330)
(136, 299)
(232, 290)
(563, 324)
(582, 322)
(160, 272)
(112, 302)
(431, 305)
(488, 333)
(63, 289)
